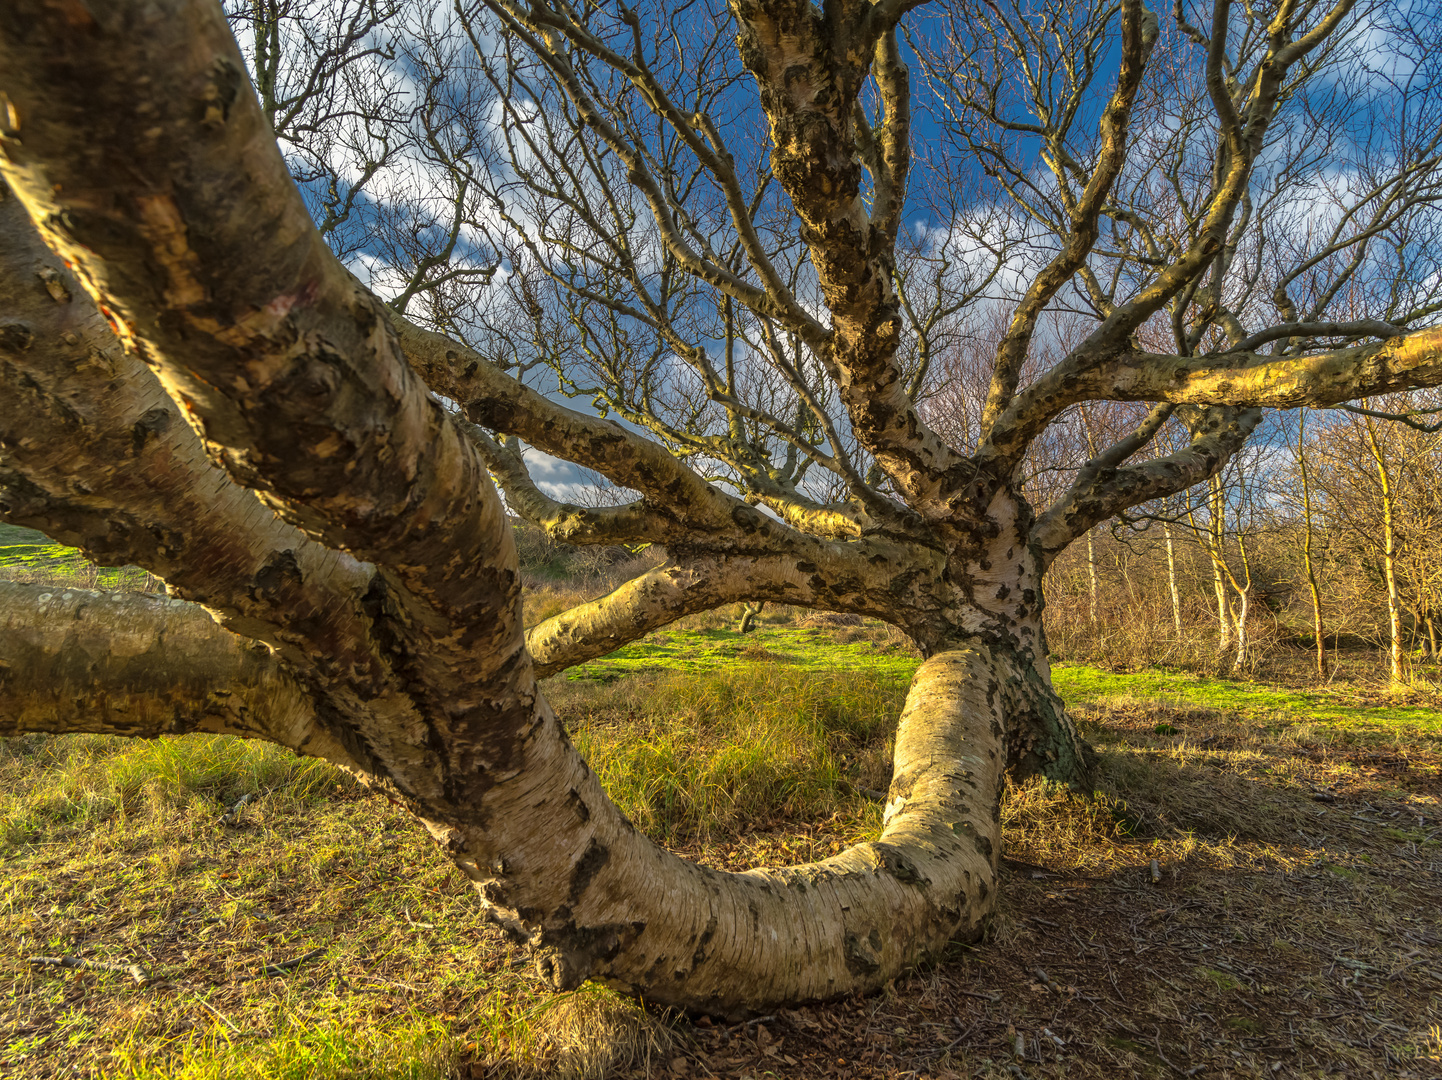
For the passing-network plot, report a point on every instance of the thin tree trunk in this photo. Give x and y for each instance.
(1172, 581)
(1307, 560)
(749, 614)
(1389, 554)
(1244, 592)
(1092, 577)
(1211, 539)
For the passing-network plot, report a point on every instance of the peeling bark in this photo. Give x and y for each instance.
(80, 660)
(270, 441)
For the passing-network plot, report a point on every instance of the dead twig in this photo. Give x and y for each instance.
(993, 998)
(232, 816)
(77, 963)
(216, 1013)
(285, 967)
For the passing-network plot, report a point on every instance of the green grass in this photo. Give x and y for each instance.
(1342, 712)
(419, 1049)
(738, 750)
(83, 780)
(697, 651)
(28, 555)
(685, 755)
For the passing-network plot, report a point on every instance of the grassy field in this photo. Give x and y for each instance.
(1293, 931)
(27, 555)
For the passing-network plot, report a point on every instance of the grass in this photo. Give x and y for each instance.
(1276, 911)
(690, 756)
(1345, 713)
(31, 556)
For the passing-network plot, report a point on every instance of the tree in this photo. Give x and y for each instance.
(706, 241)
(1378, 483)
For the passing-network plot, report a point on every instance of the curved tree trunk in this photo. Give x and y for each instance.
(749, 614)
(551, 857)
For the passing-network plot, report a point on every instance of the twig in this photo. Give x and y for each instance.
(1168, 1064)
(232, 816)
(76, 963)
(993, 998)
(216, 1013)
(405, 909)
(284, 967)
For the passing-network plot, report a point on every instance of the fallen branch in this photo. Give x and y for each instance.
(285, 967)
(232, 816)
(78, 963)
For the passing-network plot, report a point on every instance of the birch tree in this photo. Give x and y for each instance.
(701, 215)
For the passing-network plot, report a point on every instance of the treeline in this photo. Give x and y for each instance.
(1325, 534)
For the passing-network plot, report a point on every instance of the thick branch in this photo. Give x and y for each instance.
(188, 231)
(491, 398)
(1102, 490)
(570, 524)
(810, 66)
(74, 660)
(689, 584)
(1243, 380)
(1361, 328)
(148, 494)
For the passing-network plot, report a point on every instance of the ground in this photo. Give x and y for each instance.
(1253, 893)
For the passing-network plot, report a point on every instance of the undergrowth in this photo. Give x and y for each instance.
(737, 752)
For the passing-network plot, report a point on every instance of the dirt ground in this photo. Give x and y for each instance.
(1203, 974)
(1236, 903)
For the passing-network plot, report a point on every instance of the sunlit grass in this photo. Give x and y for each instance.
(1341, 713)
(741, 752)
(419, 1049)
(690, 755)
(85, 779)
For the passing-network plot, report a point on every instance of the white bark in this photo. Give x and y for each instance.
(1172, 581)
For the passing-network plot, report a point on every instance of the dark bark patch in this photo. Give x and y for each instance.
(596, 856)
(578, 804)
(153, 424)
(279, 570)
(221, 90)
(863, 955)
(900, 867)
(15, 337)
(699, 956)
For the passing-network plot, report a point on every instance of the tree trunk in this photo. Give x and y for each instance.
(1211, 538)
(1092, 579)
(1172, 581)
(1244, 592)
(1307, 561)
(1389, 555)
(749, 613)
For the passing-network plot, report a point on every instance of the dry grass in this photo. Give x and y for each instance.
(1288, 935)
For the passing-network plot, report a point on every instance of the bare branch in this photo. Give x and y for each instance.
(570, 524)
(74, 660)
(1360, 328)
(1103, 490)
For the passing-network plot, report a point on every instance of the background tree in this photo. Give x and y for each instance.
(706, 241)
